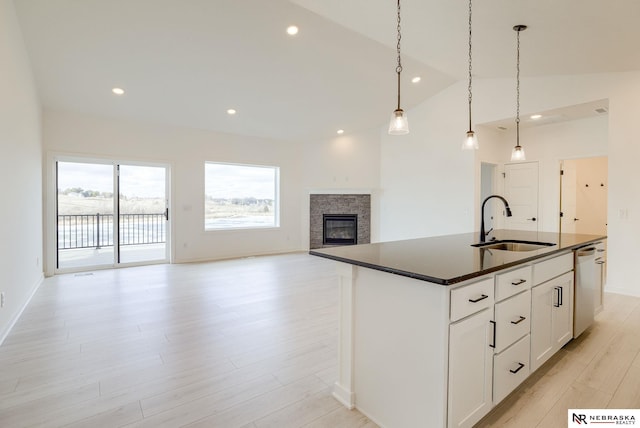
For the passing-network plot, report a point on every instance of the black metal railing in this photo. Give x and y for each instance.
(96, 230)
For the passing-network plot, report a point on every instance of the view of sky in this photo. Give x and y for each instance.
(221, 180)
(140, 181)
(240, 181)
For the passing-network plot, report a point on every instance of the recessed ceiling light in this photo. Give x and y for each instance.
(340, 131)
(292, 30)
(118, 91)
(231, 111)
(535, 116)
(416, 79)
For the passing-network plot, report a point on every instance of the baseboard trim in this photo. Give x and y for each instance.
(16, 317)
(623, 291)
(347, 398)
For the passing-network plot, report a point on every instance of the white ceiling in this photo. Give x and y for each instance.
(185, 62)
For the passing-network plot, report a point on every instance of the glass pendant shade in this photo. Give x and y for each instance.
(517, 154)
(399, 124)
(470, 141)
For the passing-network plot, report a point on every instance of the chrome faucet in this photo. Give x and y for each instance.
(483, 235)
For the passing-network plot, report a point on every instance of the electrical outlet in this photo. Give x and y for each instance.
(1, 300)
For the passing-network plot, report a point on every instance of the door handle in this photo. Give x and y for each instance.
(576, 219)
(166, 214)
(494, 334)
(532, 219)
(520, 367)
(559, 297)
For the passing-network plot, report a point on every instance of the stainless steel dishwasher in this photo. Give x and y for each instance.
(587, 274)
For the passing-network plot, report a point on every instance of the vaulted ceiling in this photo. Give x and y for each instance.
(185, 62)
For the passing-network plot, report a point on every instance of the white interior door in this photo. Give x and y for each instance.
(521, 191)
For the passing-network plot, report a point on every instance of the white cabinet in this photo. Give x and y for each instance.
(512, 317)
(470, 369)
(512, 314)
(510, 368)
(551, 317)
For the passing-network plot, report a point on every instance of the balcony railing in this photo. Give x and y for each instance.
(96, 230)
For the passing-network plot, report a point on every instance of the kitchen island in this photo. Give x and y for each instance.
(434, 332)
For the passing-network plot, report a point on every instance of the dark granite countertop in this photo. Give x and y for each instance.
(451, 259)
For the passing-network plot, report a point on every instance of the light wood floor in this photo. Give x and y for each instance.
(245, 343)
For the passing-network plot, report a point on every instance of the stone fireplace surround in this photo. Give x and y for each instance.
(319, 204)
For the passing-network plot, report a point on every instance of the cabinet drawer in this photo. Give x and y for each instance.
(471, 298)
(513, 319)
(548, 269)
(510, 368)
(513, 282)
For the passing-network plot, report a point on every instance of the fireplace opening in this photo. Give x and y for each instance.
(340, 229)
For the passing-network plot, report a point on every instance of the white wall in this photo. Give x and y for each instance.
(426, 181)
(186, 151)
(348, 163)
(344, 162)
(430, 187)
(20, 145)
(548, 145)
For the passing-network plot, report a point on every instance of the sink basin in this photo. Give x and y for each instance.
(512, 245)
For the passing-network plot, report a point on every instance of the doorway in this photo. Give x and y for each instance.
(583, 196)
(110, 214)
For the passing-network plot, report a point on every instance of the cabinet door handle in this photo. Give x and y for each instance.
(482, 297)
(561, 295)
(520, 367)
(558, 297)
(532, 219)
(493, 345)
(519, 321)
(600, 263)
(521, 281)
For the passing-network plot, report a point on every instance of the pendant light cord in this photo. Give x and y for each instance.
(470, 78)
(518, 88)
(399, 66)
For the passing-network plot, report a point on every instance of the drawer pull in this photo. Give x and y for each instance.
(482, 297)
(522, 281)
(519, 321)
(520, 367)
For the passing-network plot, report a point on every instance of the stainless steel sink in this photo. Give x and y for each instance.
(513, 245)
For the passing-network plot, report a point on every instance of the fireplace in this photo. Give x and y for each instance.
(355, 207)
(340, 229)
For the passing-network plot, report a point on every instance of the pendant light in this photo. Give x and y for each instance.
(517, 154)
(471, 140)
(399, 124)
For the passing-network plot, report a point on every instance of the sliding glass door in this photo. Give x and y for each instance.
(143, 213)
(96, 229)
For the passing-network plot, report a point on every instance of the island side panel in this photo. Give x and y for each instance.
(343, 389)
(400, 349)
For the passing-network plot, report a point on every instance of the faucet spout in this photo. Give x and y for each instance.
(483, 235)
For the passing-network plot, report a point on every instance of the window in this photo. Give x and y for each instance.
(240, 196)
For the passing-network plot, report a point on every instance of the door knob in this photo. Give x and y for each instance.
(576, 219)
(532, 219)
